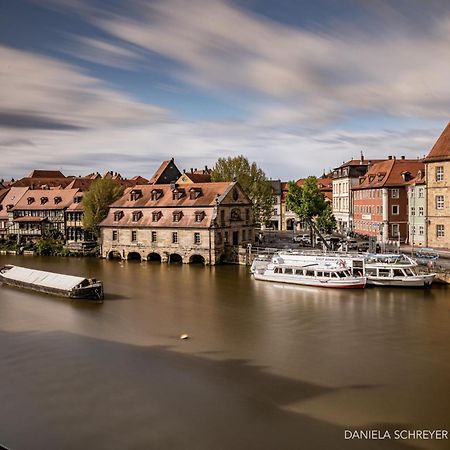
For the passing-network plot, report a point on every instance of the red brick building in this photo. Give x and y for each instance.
(380, 200)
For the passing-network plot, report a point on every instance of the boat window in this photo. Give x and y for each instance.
(310, 273)
(341, 274)
(276, 270)
(384, 272)
(335, 275)
(398, 273)
(298, 272)
(320, 274)
(288, 271)
(410, 272)
(371, 271)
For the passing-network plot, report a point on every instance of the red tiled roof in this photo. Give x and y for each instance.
(66, 196)
(197, 177)
(389, 173)
(159, 171)
(82, 183)
(441, 149)
(37, 183)
(30, 219)
(11, 198)
(46, 174)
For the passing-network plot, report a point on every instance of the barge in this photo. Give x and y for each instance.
(68, 286)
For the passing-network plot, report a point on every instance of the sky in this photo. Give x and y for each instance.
(298, 86)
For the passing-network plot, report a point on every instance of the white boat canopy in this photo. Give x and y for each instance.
(41, 278)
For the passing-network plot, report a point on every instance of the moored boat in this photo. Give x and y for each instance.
(313, 274)
(52, 283)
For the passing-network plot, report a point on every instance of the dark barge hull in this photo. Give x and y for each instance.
(93, 293)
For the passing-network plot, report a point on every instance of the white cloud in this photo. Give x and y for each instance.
(48, 92)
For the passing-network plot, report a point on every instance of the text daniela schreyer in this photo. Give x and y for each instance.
(396, 434)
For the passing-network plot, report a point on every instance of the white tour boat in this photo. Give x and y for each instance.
(311, 274)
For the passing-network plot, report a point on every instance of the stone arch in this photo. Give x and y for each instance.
(223, 259)
(154, 257)
(135, 256)
(197, 259)
(175, 258)
(114, 254)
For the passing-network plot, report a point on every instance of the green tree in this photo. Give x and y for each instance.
(252, 179)
(308, 202)
(96, 202)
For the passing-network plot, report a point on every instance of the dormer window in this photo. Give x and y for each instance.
(44, 200)
(371, 178)
(361, 180)
(199, 216)
(177, 194)
(156, 215)
(118, 215)
(156, 194)
(195, 193)
(77, 199)
(137, 216)
(135, 194)
(8, 207)
(177, 215)
(30, 200)
(58, 200)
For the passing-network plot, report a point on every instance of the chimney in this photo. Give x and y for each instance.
(389, 157)
(192, 170)
(403, 156)
(362, 157)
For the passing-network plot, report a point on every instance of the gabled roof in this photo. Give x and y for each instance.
(441, 149)
(390, 173)
(37, 183)
(11, 198)
(65, 199)
(159, 176)
(46, 174)
(82, 183)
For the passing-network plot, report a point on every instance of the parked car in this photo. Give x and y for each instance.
(351, 244)
(301, 238)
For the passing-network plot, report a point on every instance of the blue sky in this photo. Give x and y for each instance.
(297, 86)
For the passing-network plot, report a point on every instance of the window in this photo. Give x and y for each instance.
(439, 202)
(219, 237)
(154, 236)
(133, 236)
(244, 235)
(421, 192)
(395, 193)
(440, 173)
(288, 271)
(421, 230)
(174, 237)
(247, 214)
(395, 230)
(413, 211)
(395, 210)
(115, 235)
(195, 193)
(199, 215)
(118, 215)
(222, 216)
(137, 215)
(135, 194)
(177, 216)
(156, 194)
(420, 210)
(440, 231)
(226, 237)
(156, 215)
(197, 238)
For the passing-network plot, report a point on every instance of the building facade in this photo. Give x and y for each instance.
(194, 222)
(437, 176)
(380, 200)
(345, 178)
(417, 211)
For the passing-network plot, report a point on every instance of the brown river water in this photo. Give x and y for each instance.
(267, 366)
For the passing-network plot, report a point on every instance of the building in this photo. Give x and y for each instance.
(40, 211)
(417, 210)
(194, 222)
(437, 175)
(345, 178)
(166, 173)
(380, 200)
(8, 200)
(276, 218)
(44, 179)
(195, 176)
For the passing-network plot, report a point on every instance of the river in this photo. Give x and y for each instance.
(266, 367)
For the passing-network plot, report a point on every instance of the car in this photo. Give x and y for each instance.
(300, 238)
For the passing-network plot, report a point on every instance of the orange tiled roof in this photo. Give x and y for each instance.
(11, 198)
(441, 149)
(65, 199)
(46, 174)
(389, 173)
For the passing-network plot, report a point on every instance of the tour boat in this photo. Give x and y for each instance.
(395, 270)
(52, 283)
(379, 269)
(312, 274)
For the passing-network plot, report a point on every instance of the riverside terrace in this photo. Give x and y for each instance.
(194, 222)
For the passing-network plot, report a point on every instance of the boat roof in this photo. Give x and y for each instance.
(41, 278)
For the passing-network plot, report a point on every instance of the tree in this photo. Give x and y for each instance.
(96, 202)
(252, 179)
(308, 202)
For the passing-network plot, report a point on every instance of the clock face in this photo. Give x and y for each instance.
(235, 194)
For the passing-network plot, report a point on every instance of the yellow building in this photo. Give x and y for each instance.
(437, 165)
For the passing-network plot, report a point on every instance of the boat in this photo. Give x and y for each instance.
(379, 269)
(395, 270)
(52, 283)
(426, 256)
(313, 274)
